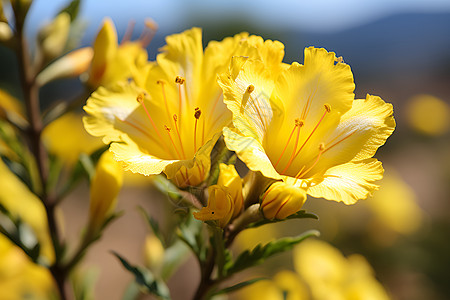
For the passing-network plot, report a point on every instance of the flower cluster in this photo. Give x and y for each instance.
(298, 128)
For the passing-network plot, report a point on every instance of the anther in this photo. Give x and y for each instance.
(159, 81)
(250, 89)
(175, 118)
(151, 24)
(167, 128)
(327, 107)
(197, 113)
(299, 122)
(339, 59)
(180, 80)
(140, 98)
(321, 147)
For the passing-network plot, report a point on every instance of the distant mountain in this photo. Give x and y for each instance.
(399, 43)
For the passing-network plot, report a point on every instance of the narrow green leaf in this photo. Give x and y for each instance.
(302, 214)
(238, 286)
(260, 253)
(153, 225)
(145, 278)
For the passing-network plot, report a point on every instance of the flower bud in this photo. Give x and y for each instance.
(5, 32)
(153, 253)
(193, 176)
(52, 37)
(70, 65)
(105, 187)
(105, 47)
(220, 206)
(229, 178)
(282, 200)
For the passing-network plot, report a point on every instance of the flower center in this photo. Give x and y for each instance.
(299, 123)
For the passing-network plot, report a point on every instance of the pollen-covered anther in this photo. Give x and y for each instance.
(197, 113)
(167, 128)
(175, 118)
(339, 59)
(250, 89)
(151, 24)
(180, 80)
(321, 147)
(299, 122)
(327, 107)
(140, 98)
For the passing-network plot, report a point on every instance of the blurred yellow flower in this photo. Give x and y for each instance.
(19, 277)
(286, 285)
(66, 138)
(23, 204)
(282, 200)
(395, 205)
(330, 275)
(171, 123)
(428, 115)
(153, 253)
(113, 62)
(105, 187)
(302, 125)
(52, 37)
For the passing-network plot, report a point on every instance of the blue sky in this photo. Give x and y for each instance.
(318, 15)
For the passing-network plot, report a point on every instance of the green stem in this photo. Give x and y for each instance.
(31, 99)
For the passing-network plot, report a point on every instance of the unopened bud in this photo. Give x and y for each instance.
(5, 32)
(70, 65)
(153, 253)
(52, 38)
(219, 208)
(282, 200)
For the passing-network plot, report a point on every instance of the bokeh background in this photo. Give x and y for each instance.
(399, 50)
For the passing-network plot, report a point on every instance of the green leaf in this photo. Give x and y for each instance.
(153, 225)
(72, 9)
(238, 286)
(145, 278)
(302, 214)
(260, 253)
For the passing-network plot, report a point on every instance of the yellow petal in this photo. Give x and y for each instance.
(232, 182)
(361, 131)
(282, 200)
(105, 47)
(219, 207)
(251, 152)
(348, 182)
(19, 200)
(247, 88)
(67, 139)
(105, 187)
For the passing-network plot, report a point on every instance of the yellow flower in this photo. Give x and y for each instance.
(19, 277)
(105, 187)
(395, 205)
(330, 275)
(112, 62)
(171, 123)
(282, 200)
(220, 206)
(286, 285)
(23, 204)
(428, 115)
(66, 138)
(225, 200)
(303, 126)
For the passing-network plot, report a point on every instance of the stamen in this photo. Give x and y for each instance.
(298, 123)
(140, 99)
(327, 110)
(246, 96)
(128, 32)
(168, 129)
(175, 119)
(179, 80)
(339, 59)
(149, 32)
(197, 115)
(321, 151)
(162, 83)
